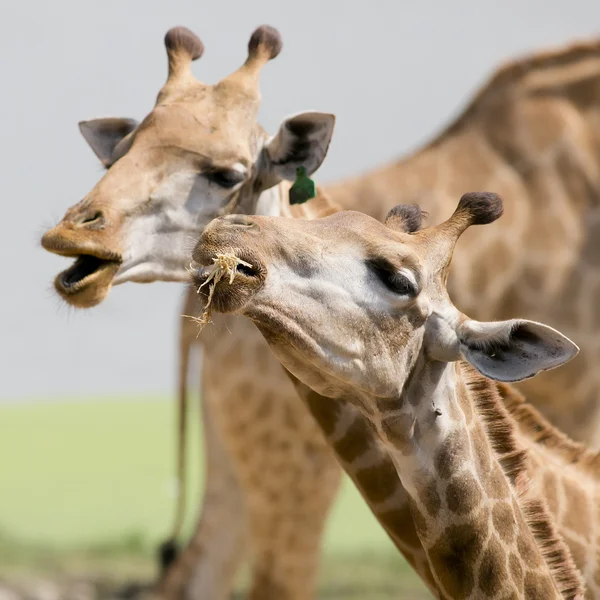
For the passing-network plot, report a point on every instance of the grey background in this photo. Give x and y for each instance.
(393, 71)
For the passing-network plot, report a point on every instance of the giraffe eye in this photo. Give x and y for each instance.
(226, 178)
(394, 280)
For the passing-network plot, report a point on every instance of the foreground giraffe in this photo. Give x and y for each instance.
(116, 218)
(359, 312)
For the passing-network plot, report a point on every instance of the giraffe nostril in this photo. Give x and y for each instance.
(93, 219)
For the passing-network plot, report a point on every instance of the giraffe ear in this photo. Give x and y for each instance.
(108, 137)
(302, 141)
(513, 350)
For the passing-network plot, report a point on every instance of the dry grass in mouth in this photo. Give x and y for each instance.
(223, 264)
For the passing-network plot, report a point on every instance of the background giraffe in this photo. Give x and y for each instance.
(373, 324)
(532, 134)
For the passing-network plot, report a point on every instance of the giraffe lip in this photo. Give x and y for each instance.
(82, 271)
(87, 280)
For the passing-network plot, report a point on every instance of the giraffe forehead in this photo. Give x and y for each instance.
(210, 132)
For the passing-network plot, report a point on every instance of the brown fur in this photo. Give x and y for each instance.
(405, 217)
(181, 39)
(500, 429)
(514, 72)
(265, 39)
(541, 431)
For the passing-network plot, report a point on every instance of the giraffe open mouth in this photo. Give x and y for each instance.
(85, 267)
(87, 281)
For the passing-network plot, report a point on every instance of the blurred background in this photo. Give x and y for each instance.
(86, 398)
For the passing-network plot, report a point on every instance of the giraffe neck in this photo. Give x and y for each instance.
(467, 489)
(365, 460)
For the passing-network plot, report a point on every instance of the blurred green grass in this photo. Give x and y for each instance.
(88, 485)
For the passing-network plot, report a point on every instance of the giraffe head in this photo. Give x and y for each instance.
(198, 154)
(349, 303)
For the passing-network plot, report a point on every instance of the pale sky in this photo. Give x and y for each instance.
(392, 71)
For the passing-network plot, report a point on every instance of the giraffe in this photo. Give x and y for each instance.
(239, 483)
(200, 153)
(359, 310)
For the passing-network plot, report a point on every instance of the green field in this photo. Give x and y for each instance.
(88, 486)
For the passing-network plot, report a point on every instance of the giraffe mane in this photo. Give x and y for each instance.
(540, 431)
(514, 72)
(500, 428)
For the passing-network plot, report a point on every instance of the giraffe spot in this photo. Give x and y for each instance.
(516, 570)
(429, 496)
(245, 390)
(325, 410)
(451, 456)
(355, 442)
(397, 429)
(385, 405)
(591, 250)
(265, 408)
(463, 494)
(493, 575)
(266, 586)
(401, 520)
(530, 554)
(498, 487)
(265, 441)
(538, 587)
(578, 513)
(504, 522)
(289, 417)
(453, 556)
(569, 310)
(378, 482)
